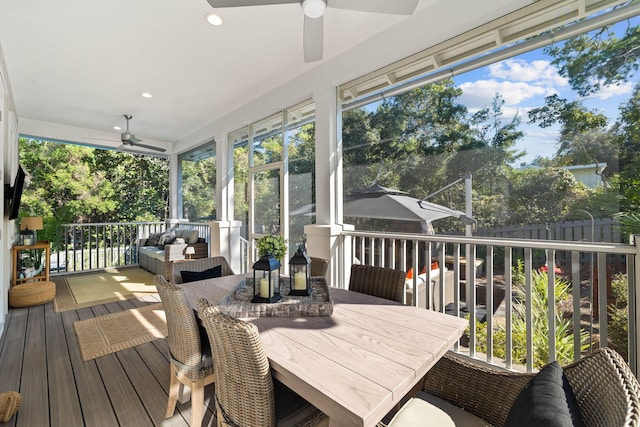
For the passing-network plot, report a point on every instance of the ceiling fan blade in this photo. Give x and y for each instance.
(313, 39)
(149, 147)
(235, 3)
(395, 7)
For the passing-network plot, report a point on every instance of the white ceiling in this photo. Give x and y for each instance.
(84, 63)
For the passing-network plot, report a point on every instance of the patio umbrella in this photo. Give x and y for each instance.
(386, 203)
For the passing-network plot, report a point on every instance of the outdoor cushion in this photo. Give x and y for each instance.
(547, 400)
(427, 409)
(153, 239)
(153, 252)
(166, 239)
(190, 236)
(192, 276)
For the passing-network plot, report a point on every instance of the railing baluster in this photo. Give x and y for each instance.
(508, 292)
(602, 299)
(575, 284)
(528, 306)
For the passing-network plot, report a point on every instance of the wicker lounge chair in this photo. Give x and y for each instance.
(246, 394)
(378, 281)
(191, 362)
(606, 390)
(199, 265)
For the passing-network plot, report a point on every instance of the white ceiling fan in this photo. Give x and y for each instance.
(129, 140)
(314, 9)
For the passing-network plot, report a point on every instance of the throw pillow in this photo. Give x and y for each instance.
(179, 241)
(547, 400)
(193, 276)
(166, 239)
(190, 236)
(153, 239)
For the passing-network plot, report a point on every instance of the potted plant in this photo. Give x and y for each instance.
(272, 244)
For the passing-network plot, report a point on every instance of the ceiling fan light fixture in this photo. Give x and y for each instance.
(313, 8)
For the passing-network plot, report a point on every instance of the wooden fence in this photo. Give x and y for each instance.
(605, 230)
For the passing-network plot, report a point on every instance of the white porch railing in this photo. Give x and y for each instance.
(85, 247)
(513, 333)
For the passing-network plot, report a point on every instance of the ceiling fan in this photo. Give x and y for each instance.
(314, 9)
(130, 139)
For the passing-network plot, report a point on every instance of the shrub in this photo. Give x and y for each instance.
(619, 315)
(540, 326)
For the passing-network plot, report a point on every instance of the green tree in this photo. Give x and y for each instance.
(582, 131)
(601, 58)
(198, 189)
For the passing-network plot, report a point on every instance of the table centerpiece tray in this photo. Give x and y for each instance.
(238, 302)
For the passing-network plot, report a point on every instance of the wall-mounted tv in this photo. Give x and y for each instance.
(13, 194)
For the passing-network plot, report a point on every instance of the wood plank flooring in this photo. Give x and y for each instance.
(40, 358)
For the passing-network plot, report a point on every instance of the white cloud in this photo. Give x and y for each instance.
(479, 94)
(539, 72)
(625, 88)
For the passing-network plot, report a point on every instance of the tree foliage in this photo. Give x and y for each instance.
(75, 184)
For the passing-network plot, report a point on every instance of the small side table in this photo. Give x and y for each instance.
(44, 274)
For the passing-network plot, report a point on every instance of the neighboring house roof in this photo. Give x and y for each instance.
(590, 175)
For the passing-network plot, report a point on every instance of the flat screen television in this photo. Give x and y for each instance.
(13, 194)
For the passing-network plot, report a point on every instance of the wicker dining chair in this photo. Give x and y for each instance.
(199, 265)
(189, 350)
(246, 395)
(378, 281)
(319, 267)
(606, 391)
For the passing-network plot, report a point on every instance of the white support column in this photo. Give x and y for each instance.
(174, 186)
(323, 241)
(225, 241)
(224, 179)
(323, 238)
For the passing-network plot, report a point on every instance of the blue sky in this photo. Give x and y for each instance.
(523, 82)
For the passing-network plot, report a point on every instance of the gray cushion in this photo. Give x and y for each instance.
(428, 410)
(166, 239)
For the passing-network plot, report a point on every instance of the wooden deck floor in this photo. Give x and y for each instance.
(40, 358)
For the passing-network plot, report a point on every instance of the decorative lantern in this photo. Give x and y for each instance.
(266, 280)
(300, 280)
(28, 227)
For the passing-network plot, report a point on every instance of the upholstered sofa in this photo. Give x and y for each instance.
(159, 250)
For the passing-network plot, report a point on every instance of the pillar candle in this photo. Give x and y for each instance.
(299, 281)
(264, 288)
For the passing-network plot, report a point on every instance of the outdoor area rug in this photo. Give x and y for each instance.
(113, 284)
(117, 331)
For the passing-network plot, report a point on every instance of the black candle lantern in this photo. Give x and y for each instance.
(266, 280)
(300, 279)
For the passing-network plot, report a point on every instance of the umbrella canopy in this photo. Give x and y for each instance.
(386, 203)
(396, 206)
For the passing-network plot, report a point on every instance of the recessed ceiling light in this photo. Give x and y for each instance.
(146, 95)
(116, 127)
(213, 19)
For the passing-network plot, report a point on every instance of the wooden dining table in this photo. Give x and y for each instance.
(355, 365)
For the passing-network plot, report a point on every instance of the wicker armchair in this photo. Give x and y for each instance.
(606, 390)
(246, 395)
(199, 265)
(319, 267)
(378, 281)
(189, 353)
